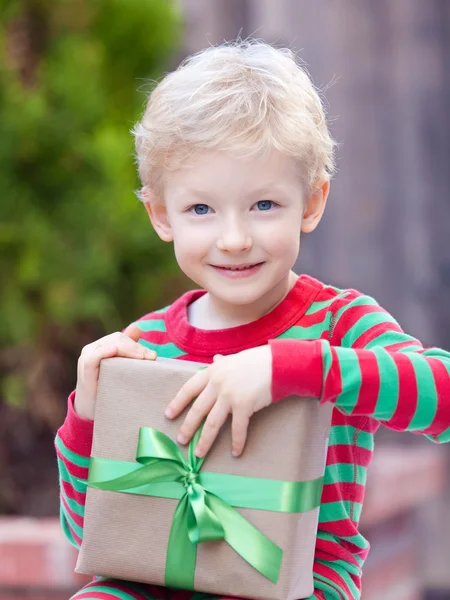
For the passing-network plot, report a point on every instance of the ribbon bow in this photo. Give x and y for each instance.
(204, 512)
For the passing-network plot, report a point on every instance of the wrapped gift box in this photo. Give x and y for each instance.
(126, 533)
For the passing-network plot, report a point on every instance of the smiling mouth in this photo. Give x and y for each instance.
(244, 267)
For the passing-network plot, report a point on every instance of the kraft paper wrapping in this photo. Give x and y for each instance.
(125, 536)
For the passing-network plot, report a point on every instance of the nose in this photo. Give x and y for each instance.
(234, 237)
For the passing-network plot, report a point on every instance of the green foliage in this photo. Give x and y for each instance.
(75, 243)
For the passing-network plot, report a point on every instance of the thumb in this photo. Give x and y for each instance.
(133, 332)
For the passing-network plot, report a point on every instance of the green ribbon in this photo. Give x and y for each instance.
(205, 510)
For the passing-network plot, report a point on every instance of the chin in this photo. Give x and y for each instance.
(241, 298)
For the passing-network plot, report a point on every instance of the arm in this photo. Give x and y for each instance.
(73, 448)
(369, 367)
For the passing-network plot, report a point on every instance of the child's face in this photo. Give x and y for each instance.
(236, 223)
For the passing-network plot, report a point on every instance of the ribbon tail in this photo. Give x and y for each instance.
(203, 526)
(253, 546)
(181, 552)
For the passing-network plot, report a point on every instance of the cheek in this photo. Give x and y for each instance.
(190, 243)
(283, 240)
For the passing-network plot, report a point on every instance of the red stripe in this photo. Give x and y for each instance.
(375, 331)
(195, 358)
(332, 575)
(333, 382)
(363, 423)
(74, 470)
(349, 454)
(402, 345)
(75, 516)
(337, 492)
(344, 527)
(89, 590)
(315, 318)
(153, 316)
(329, 551)
(72, 493)
(370, 383)
(76, 538)
(156, 337)
(407, 392)
(351, 317)
(441, 376)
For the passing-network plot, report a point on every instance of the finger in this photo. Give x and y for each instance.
(123, 347)
(127, 348)
(239, 428)
(211, 428)
(196, 415)
(133, 332)
(190, 390)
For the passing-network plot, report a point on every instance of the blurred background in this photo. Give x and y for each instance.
(78, 258)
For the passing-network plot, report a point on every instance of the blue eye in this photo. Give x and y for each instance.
(200, 209)
(264, 204)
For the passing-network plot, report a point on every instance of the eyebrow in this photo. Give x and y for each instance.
(266, 189)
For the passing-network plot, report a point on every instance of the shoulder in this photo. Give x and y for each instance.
(153, 321)
(354, 316)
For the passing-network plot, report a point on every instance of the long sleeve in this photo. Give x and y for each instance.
(73, 444)
(369, 366)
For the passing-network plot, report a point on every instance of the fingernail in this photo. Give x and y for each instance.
(181, 438)
(149, 354)
(235, 453)
(169, 413)
(198, 453)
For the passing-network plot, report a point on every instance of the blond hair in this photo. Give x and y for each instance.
(244, 97)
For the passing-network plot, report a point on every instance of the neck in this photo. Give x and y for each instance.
(209, 312)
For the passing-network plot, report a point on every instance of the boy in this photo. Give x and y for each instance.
(235, 159)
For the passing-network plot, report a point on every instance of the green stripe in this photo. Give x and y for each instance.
(78, 485)
(65, 527)
(358, 540)
(76, 459)
(360, 301)
(344, 473)
(115, 593)
(351, 379)
(389, 337)
(345, 575)
(307, 333)
(387, 400)
(151, 325)
(316, 306)
(164, 350)
(442, 438)
(78, 530)
(327, 360)
(138, 588)
(329, 592)
(74, 506)
(348, 435)
(130, 584)
(162, 310)
(426, 391)
(338, 592)
(363, 324)
(339, 511)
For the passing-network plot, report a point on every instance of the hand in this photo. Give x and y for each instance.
(115, 344)
(239, 384)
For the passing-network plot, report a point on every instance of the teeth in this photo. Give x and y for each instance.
(238, 268)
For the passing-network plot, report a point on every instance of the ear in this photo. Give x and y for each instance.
(314, 208)
(157, 213)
